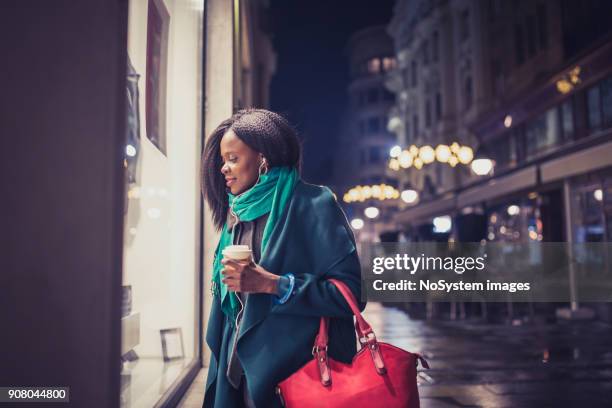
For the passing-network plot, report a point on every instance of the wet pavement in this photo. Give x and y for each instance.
(475, 364)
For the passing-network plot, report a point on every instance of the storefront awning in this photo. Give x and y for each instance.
(497, 187)
(577, 163)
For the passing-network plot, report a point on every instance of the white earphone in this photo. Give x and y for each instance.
(263, 164)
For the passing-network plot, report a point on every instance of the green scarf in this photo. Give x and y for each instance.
(270, 194)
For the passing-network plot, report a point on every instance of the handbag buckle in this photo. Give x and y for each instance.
(316, 349)
(369, 337)
(320, 356)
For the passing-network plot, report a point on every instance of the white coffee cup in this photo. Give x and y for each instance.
(237, 252)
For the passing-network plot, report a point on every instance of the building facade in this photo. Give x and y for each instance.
(454, 64)
(515, 51)
(522, 84)
(364, 136)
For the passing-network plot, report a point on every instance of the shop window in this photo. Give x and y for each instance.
(542, 133)
(606, 101)
(567, 119)
(413, 73)
(594, 108)
(415, 125)
(599, 105)
(515, 221)
(503, 150)
(161, 244)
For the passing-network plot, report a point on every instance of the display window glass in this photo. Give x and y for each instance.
(162, 208)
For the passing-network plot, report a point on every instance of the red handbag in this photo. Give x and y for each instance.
(380, 375)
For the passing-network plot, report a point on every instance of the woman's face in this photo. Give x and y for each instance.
(240, 163)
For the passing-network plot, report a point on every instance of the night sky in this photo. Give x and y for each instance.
(310, 84)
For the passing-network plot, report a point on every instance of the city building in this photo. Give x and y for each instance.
(364, 137)
(525, 84)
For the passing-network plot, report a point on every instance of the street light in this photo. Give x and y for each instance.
(465, 154)
(598, 194)
(405, 159)
(410, 196)
(427, 154)
(482, 164)
(374, 192)
(395, 151)
(514, 210)
(357, 223)
(442, 224)
(443, 153)
(371, 212)
(419, 157)
(508, 121)
(482, 167)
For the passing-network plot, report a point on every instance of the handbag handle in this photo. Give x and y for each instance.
(364, 331)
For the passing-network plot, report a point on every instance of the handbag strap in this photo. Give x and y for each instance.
(364, 331)
(362, 327)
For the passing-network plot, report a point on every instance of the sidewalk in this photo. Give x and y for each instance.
(480, 365)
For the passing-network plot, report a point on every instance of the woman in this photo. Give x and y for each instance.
(265, 313)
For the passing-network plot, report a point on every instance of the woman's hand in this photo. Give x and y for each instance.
(248, 277)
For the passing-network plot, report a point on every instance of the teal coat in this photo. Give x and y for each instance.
(314, 242)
